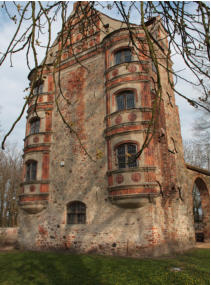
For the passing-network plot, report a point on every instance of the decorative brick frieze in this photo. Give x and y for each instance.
(126, 128)
(147, 185)
(126, 132)
(132, 117)
(118, 119)
(119, 178)
(45, 134)
(36, 148)
(141, 109)
(36, 139)
(32, 188)
(136, 176)
(133, 190)
(115, 72)
(44, 107)
(128, 124)
(133, 62)
(33, 197)
(122, 84)
(135, 169)
(133, 194)
(134, 77)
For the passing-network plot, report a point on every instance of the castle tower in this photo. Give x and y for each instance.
(83, 188)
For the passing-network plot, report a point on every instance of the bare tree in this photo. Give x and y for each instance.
(187, 31)
(197, 153)
(10, 178)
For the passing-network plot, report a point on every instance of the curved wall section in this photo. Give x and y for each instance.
(37, 142)
(129, 110)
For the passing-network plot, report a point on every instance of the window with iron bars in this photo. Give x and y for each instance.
(31, 170)
(125, 100)
(35, 125)
(123, 55)
(76, 213)
(38, 89)
(126, 155)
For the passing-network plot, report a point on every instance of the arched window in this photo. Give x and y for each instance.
(31, 170)
(125, 100)
(197, 208)
(201, 210)
(123, 55)
(126, 155)
(34, 125)
(76, 213)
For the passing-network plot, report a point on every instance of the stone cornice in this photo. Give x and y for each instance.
(141, 109)
(122, 187)
(35, 182)
(135, 169)
(37, 134)
(127, 63)
(137, 123)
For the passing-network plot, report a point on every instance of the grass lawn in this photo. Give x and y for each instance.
(64, 268)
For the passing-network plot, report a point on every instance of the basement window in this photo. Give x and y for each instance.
(31, 170)
(34, 125)
(125, 100)
(76, 213)
(123, 55)
(126, 155)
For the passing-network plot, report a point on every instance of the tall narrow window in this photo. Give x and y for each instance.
(123, 55)
(126, 155)
(197, 208)
(125, 100)
(35, 125)
(31, 170)
(76, 213)
(38, 88)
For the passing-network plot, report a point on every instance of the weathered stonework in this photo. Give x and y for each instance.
(140, 211)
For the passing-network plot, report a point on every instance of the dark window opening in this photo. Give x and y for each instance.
(123, 55)
(76, 213)
(38, 88)
(35, 126)
(125, 101)
(31, 170)
(126, 155)
(197, 207)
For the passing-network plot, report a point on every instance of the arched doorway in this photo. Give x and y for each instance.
(201, 210)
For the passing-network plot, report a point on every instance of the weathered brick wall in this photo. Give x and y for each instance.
(8, 236)
(136, 212)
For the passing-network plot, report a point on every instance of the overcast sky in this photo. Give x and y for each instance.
(13, 81)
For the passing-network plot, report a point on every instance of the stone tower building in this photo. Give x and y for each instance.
(82, 189)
